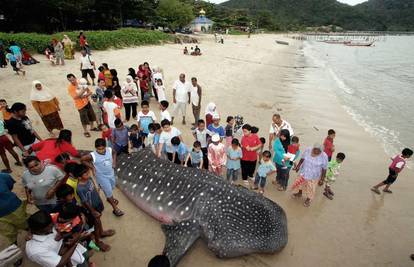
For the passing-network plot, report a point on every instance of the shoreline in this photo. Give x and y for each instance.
(352, 230)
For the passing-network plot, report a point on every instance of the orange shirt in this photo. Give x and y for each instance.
(6, 115)
(79, 102)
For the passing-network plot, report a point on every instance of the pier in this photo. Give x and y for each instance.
(347, 36)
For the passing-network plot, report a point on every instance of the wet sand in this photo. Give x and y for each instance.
(256, 78)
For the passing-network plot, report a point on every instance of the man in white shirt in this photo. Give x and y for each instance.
(43, 248)
(87, 66)
(278, 124)
(181, 97)
(195, 99)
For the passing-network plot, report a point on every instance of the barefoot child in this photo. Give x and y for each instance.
(266, 168)
(331, 174)
(216, 155)
(91, 200)
(104, 160)
(397, 165)
(234, 155)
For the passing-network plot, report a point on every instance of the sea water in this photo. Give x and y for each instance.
(375, 85)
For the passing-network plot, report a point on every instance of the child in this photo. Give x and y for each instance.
(328, 144)
(120, 138)
(145, 117)
(91, 201)
(160, 91)
(293, 151)
(96, 108)
(104, 159)
(71, 179)
(165, 114)
(234, 155)
(202, 135)
(215, 126)
(229, 130)
(111, 109)
(6, 144)
(106, 134)
(397, 165)
(266, 168)
(180, 151)
(216, 155)
(13, 62)
(157, 133)
(195, 157)
(5, 110)
(83, 84)
(135, 138)
(332, 173)
(149, 140)
(185, 52)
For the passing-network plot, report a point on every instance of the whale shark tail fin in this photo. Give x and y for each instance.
(179, 237)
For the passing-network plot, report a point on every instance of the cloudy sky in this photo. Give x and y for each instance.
(350, 2)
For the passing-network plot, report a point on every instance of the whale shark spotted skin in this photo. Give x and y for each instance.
(192, 203)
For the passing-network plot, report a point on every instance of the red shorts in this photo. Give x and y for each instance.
(5, 143)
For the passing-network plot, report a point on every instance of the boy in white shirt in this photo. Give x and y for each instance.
(111, 108)
(165, 114)
(145, 117)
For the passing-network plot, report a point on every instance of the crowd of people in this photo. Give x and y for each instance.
(64, 182)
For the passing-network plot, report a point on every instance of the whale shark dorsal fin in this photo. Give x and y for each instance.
(179, 237)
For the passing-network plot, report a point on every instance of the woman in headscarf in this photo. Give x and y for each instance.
(68, 47)
(210, 111)
(280, 147)
(58, 48)
(129, 93)
(312, 168)
(47, 106)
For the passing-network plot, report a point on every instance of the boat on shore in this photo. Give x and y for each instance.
(282, 42)
(359, 43)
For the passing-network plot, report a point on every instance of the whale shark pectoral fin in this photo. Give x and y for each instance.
(178, 239)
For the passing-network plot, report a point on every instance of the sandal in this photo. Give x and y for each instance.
(107, 233)
(387, 191)
(103, 247)
(375, 190)
(307, 203)
(86, 134)
(95, 129)
(281, 188)
(118, 213)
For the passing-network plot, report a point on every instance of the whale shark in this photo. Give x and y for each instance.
(191, 203)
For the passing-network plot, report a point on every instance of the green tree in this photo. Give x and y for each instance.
(175, 13)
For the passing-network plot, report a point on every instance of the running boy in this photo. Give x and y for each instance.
(266, 168)
(331, 174)
(397, 165)
(104, 160)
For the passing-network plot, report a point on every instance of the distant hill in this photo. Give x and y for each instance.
(371, 15)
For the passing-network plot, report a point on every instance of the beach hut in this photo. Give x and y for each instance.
(201, 23)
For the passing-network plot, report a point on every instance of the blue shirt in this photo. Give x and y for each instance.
(120, 136)
(231, 153)
(265, 168)
(156, 139)
(219, 130)
(9, 202)
(88, 194)
(196, 156)
(16, 50)
(11, 57)
(103, 165)
(181, 150)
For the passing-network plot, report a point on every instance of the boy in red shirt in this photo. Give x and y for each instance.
(328, 144)
(397, 165)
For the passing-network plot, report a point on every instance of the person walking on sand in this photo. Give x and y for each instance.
(195, 99)
(58, 49)
(81, 100)
(87, 66)
(312, 169)
(47, 106)
(181, 97)
(397, 165)
(278, 124)
(68, 49)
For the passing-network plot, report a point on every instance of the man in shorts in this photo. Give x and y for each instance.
(81, 100)
(181, 97)
(87, 66)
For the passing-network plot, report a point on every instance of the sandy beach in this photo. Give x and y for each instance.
(254, 78)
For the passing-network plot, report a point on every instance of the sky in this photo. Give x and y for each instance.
(350, 2)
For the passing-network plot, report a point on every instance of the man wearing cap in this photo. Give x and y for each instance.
(181, 97)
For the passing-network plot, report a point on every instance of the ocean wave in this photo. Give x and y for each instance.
(341, 83)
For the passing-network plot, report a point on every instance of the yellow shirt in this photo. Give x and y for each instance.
(74, 184)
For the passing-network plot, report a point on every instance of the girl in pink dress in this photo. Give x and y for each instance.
(216, 155)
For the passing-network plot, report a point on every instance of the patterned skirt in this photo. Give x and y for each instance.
(52, 121)
(308, 187)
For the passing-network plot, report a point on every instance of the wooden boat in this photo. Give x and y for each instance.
(335, 41)
(282, 42)
(359, 43)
